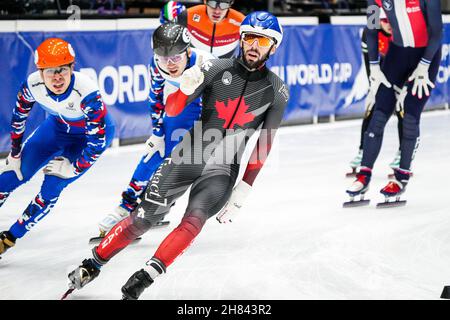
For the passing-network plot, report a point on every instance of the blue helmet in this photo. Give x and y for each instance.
(170, 11)
(264, 23)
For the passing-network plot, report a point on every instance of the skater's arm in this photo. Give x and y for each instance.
(95, 112)
(373, 20)
(264, 144)
(434, 24)
(156, 99)
(193, 83)
(24, 104)
(364, 50)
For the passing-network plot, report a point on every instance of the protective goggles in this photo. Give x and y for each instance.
(217, 4)
(50, 72)
(263, 42)
(174, 59)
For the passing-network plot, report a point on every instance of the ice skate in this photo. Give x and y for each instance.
(81, 276)
(354, 164)
(108, 222)
(445, 293)
(112, 219)
(394, 189)
(7, 241)
(358, 189)
(136, 284)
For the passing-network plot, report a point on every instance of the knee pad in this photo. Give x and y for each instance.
(411, 128)
(377, 124)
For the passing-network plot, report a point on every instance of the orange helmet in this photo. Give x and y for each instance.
(53, 52)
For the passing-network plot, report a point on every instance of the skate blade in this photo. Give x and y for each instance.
(351, 174)
(97, 240)
(446, 293)
(68, 292)
(391, 204)
(160, 224)
(356, 203)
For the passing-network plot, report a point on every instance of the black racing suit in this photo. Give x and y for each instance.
(236, 102)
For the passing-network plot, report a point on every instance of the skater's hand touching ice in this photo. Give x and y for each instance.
(191, 79)
(234, 204)
(421, 80)
(60, 167)
(154, 144)
(13, 164)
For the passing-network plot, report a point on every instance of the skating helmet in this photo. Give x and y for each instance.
(170, 39)
(263, 23)
(53, 52)
(170, 11)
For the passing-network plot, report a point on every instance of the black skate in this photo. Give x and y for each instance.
(445, 293)
(7, 241)
(137, 283)
(81, 276)
(358, 189)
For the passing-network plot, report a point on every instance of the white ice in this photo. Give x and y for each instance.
(293, 240)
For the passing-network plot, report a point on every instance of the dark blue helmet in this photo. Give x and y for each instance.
(264, 23)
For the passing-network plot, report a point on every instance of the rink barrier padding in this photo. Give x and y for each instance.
(321, 63)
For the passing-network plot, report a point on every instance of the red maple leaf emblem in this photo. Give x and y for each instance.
(233, 113)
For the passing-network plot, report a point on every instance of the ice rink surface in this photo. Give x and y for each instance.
(293, 240)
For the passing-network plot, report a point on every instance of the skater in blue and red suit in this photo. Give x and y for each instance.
(66, 144)
(412, 60)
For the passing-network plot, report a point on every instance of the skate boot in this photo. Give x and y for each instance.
(84, 274)
(354, 164)
(137, 283)
(394, 189)
(7, 241)
(358, 188)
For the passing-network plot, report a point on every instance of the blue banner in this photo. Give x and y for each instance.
(321, 64)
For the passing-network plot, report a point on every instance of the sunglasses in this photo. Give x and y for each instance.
(50, 72)
(174, 59)
(263, 42)
(217, 4)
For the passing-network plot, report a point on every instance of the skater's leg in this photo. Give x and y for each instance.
(411, 121)
(41, 205)
(168, 183)
(72, 148)
(206, 199)
(174, 129)
(37, 150)
(208, 195)
(396, 71)
(139, 181)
